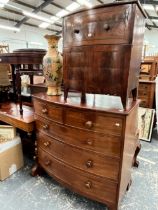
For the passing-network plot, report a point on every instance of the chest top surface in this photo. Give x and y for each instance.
(94, 102)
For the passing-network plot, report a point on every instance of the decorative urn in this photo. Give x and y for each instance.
(52, 66)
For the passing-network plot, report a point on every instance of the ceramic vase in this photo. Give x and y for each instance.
(52, 66)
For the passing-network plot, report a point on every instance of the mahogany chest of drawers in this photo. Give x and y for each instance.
(88, 148)
(103, 49)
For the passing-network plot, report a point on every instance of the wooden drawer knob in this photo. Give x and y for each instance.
(106, 27)
(89, 124)
(89, 142)
(45, 127)
(46, 144)
(44, 111)
(89, 163)
(47, 162)
(88, 184)
(117, 124)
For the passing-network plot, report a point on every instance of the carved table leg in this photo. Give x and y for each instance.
(135, 161)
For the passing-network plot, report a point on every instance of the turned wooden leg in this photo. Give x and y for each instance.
(135, 161)
(36, 170)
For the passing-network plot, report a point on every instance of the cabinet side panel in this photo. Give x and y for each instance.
(130, 141)
(136, 50)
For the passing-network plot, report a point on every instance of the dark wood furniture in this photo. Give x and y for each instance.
(87, 147)
(103, 50)
(25, 124)
(148, 70)
(9, 113)
(146, 91)
(23, 61)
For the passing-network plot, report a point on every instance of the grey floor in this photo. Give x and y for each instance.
(23, 192)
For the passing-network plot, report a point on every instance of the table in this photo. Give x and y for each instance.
(23, 61)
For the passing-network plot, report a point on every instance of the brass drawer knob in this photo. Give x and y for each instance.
(89, 164)
(45, 127)
(44, 111)
(88, 184)
(89, 142)
(89, 124)
(46, 144)
(35, 143)
(47, 162)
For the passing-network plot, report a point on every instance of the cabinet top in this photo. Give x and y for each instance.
(113, 4)
(94, 102)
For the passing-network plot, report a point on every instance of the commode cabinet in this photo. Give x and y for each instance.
(87, 148)
(103, 50)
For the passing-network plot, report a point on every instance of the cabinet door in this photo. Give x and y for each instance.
(76, 65)
(110, 69)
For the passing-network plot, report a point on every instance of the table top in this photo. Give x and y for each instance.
(95, 102)
(23, 56)
(9, 113)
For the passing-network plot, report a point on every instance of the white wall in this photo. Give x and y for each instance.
(151, 41)
(28, 37)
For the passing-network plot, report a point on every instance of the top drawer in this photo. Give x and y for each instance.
(107, 25)
(49, 111)
(102, 123)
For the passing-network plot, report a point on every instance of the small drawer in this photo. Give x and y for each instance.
(50, 145)
(94, 122)
(91, 186)
(100, 26)
(98, 142)
(91, 162)
(49, 111)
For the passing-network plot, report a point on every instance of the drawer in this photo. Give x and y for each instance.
(94, 121)
(91, 162)
(100, 143)
(100, 26)
(86, 184)
(48, 110)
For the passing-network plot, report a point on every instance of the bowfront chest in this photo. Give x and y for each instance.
(103, 50)
(88, 148)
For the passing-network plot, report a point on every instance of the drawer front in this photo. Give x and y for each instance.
(85, 160)
(94, 121)
(100, 26)
(144, 87)
(86, 184)
(101, 143)
(48, 110)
